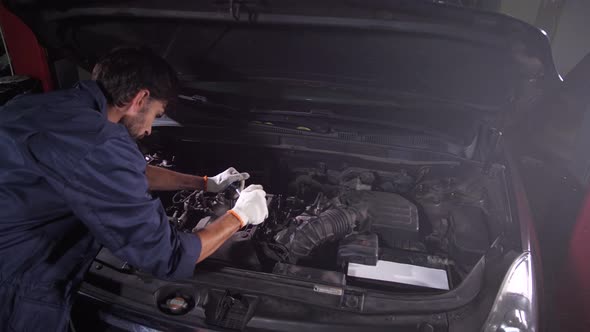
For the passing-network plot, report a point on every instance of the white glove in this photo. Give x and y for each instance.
(251, 206)
(222, 180)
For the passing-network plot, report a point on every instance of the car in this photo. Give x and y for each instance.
(377, 130)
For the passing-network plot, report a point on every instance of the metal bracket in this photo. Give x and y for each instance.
(495, 139)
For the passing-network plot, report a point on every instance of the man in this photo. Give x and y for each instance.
(72, 179)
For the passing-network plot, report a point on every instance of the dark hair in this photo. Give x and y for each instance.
(126, 70)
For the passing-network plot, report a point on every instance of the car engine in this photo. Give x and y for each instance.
(328, 219)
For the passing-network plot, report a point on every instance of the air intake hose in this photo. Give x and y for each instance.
(330, 225)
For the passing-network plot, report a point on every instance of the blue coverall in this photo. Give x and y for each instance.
(71, 181)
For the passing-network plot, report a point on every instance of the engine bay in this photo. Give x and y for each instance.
(327, 219)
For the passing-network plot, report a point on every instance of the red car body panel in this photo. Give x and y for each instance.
(26, 55)
(573, 305)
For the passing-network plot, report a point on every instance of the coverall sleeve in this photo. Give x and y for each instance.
(108, 191)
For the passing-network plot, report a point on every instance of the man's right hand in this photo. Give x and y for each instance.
(251, 206)
(249, 209)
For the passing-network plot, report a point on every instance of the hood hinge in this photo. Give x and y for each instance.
(237, 7)
(495, 137)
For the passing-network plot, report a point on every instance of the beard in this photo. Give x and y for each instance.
(136, 125)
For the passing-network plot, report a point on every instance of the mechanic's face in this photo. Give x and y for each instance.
(139, 125)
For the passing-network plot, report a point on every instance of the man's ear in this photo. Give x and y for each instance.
(138, 102)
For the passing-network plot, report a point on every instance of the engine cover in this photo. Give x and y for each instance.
(391, 216)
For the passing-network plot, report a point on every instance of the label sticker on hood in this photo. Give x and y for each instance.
(327, 290)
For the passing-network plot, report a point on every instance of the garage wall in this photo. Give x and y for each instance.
(572, 41)
(525, 10)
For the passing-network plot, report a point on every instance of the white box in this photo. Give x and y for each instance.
(401, 273)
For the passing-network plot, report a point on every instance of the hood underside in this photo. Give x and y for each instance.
(485, 64)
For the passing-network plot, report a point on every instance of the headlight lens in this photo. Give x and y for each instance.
(515, 308)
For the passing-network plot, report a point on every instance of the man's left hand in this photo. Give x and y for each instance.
(222, 180)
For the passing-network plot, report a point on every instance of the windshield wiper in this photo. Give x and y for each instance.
(304, 118)
(337, 95)
(203, 100)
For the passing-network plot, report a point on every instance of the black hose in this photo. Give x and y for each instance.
(330, 225)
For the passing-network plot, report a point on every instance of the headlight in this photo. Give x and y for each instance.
(515, 308)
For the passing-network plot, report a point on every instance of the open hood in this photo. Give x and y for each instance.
(422, 62)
